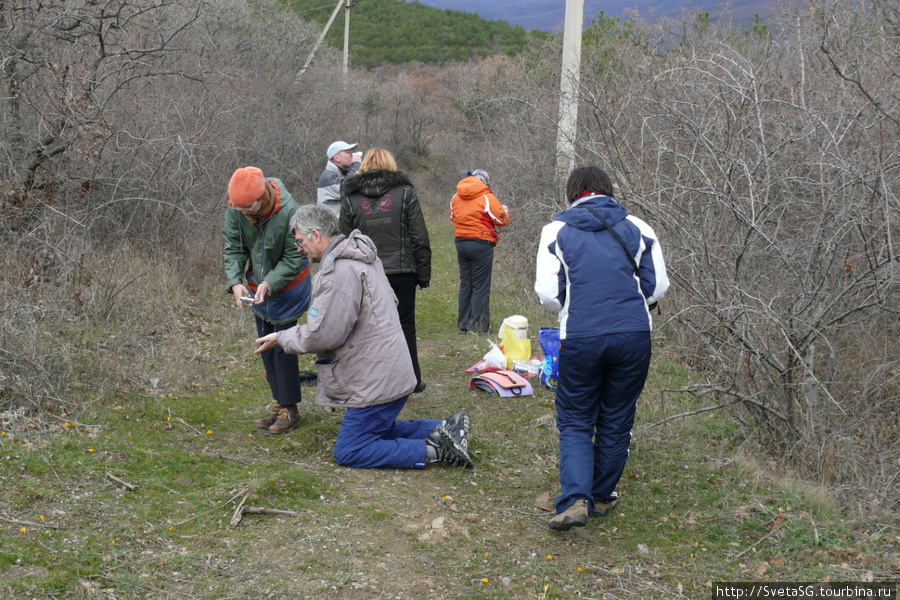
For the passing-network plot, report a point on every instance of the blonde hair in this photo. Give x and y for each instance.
(378, 158)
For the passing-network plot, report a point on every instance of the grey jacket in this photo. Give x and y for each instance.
(353, 328)
(329, 190)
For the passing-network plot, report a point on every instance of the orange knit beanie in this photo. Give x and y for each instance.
(246, 187)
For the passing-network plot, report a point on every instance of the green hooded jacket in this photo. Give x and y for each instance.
(266, 249)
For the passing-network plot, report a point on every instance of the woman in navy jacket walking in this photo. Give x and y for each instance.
(600, 268)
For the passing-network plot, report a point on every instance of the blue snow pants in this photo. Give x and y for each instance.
(600, 380)
(372, 438)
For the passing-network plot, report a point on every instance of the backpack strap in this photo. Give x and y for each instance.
(637, 272)
(619, 238)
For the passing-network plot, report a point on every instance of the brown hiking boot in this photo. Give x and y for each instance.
(601, 509)
(574, 516)
(288, 418)
(269, 420)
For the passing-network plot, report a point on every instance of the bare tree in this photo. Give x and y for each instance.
(121, 123)
(862, 45)
(65, 65)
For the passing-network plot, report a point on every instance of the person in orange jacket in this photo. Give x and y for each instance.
(476, 214)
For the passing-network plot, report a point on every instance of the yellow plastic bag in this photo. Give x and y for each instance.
(514, 348)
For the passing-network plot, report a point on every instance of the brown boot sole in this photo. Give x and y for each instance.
(568, 523)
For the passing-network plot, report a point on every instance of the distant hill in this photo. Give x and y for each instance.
(548, 15)
(392, 31)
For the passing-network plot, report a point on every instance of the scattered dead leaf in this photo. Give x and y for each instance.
(543, 502)
(778, 521)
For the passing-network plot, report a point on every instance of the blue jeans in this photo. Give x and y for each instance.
(372, 438)
(600, 380)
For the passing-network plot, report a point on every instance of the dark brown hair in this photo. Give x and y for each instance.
(584, 179)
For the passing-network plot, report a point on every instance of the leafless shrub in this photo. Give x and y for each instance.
(769, 167)
(120, 125)
(773, 184)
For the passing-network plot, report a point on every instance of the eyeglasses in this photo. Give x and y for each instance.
(306, 238)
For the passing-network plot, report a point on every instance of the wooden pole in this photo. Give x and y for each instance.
(568, 90)
(346, 39)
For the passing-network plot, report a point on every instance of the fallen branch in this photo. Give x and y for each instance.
(239, 511)
(207, 510)
(128, 486)
(776, 525)
(29, 523)
(183, 422)
(258, 510)
(236, 459)
(753, 545)
(690, 414)
(243, 509)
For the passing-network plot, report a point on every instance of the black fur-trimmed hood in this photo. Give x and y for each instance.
(376, 182)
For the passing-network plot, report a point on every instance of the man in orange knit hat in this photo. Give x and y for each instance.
(258, 238)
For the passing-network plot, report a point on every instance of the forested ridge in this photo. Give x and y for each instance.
(394, 31)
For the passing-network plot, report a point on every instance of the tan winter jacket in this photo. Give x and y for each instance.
(353, 328)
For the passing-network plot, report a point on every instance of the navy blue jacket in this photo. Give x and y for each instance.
(584, 274)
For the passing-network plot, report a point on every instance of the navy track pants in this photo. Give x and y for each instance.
(600, 380)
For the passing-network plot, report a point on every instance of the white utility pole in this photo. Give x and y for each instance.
(322, 37)
(346, 39)
(568, 89)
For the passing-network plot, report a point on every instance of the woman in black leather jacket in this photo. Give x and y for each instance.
(382, 203)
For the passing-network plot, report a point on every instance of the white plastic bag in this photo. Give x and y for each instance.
(495, 357)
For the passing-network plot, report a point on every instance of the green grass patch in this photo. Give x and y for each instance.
(696, 506)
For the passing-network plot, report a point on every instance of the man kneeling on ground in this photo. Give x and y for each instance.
(362, 360)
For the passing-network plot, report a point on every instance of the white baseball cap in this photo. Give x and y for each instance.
(339, 147)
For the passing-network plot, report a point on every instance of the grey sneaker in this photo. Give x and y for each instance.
(446, 450)
(574, 516)
(459, 426)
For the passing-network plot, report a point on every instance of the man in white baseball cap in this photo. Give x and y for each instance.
(343, 160)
